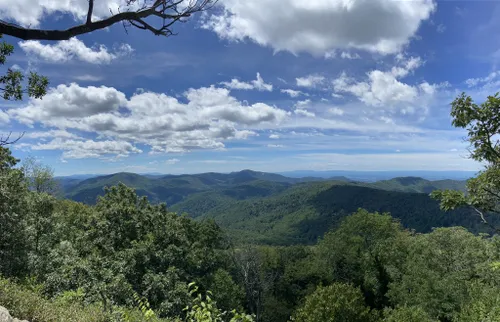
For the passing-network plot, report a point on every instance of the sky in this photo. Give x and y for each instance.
(268, 85)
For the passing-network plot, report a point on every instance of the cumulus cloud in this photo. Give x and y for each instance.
(291, 92)
(208, 118)
(79, 149)
(310, 81)
(73, 48)
(317, 27)
(71, 102)
(50, 134)
(274, 136)
(385, 88)
(257, 84)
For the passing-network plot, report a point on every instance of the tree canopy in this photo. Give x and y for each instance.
(482, 123)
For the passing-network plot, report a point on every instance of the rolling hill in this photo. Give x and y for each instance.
(304, 212)
(273, 209)
(175, 188)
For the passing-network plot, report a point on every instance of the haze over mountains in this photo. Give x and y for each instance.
(275, 209)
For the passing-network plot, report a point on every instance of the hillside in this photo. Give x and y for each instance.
(417, 184)
(306, 211)
(274, 209)
(175, 188)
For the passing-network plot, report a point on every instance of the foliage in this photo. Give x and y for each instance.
(406, 314)
(337, 302)
(39, 177)
(13, 211)
(440, 269)
(483, 127)
(12, 82)
(204, 309)
(24, 303)
(368, 250)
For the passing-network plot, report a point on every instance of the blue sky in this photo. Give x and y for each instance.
(270, 85)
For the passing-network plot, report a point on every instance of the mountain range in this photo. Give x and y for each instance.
(275, 209)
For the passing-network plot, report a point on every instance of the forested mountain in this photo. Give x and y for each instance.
(174, 188)
(244, 184)
(417, 184)
(273, 209)
(306, 211)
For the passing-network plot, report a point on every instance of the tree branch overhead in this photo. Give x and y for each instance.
(169, 12)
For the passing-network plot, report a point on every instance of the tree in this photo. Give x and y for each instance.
(136, 13)
(335, 303)
(39, 177)
(406, 314)
(366, 250)
(13, 208)
(11, 85)
(483, 125)
(439, 270)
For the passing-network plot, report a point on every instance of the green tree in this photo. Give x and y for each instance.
(368, 250)
(483, 126)
(407, 314)
(483, 306)
(13, 210)
(12, 86)
(39, 177)
(439, 271)
(12, 81)
(335, 303)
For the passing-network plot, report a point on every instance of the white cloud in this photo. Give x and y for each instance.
(275, 146)
(172, 161)
(71, 102)
(310, 81)
(274, 136)
(257, 84)
(336, 111)
(384, 88)
(50, 134)
(291, 92)
(331, 54)
(441, 28)
(4, 117)
(32, 12)
(88, 78)
(303, 112)
(80, 149)
(348, 55)
(73, 48)
(208, 118)
(317, 27)
(473, 82)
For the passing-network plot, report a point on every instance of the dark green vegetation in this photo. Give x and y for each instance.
(272, 209)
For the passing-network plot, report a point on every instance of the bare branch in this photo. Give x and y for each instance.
(165, 9)
(89, 14)
(481, 215)
(6, 141)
